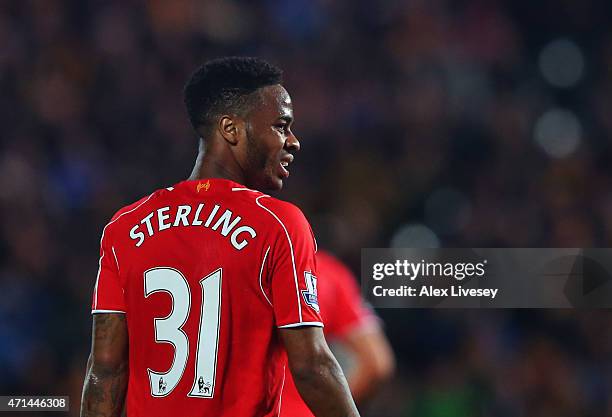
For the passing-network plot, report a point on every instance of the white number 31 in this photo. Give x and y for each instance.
(170, 330)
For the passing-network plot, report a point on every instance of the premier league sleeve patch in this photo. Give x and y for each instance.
(310, 293)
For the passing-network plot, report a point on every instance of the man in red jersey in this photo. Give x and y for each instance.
(207, 290)
(351, 324)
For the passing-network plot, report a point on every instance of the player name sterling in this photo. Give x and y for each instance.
(239, 234)
(430, 291)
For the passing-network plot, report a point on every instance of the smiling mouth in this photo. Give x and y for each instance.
(284, 170)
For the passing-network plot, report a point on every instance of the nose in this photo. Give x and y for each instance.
(292, 144)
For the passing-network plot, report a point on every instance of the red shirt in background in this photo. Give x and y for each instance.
(342, 311)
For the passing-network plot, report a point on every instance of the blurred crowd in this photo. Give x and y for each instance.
(422, 123)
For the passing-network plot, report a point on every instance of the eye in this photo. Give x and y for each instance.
(283, 127)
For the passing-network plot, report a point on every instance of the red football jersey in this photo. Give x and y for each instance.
(205, 272)
(342, 310)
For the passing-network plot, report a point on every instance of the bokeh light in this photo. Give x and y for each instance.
(558, 132)
(561, 63)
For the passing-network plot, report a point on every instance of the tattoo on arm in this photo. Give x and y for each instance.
(105, 384)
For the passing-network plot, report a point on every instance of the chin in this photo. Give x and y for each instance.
(272, 181)
(275, 185)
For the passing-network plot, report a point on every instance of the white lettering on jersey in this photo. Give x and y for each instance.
(161, 217)
(244, 242)
(181, 215)
(224, 224)
(196, 221)
(212, 215)
(147, 220)
(227, 226)
(140, 235)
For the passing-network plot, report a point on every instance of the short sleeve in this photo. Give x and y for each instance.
(293, 276)
(108, 296)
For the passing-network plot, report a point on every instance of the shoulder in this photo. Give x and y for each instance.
(129, 209)
(286, 214)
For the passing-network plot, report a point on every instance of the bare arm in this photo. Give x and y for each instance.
(107, 368)
(316, 373)
(374, 361)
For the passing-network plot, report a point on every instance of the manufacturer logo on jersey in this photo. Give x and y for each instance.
(204, 185)
(310, 293)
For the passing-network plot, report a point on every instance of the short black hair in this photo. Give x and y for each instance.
(225, 85)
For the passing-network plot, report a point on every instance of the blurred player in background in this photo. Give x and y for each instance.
(350, 323)
(207, 290)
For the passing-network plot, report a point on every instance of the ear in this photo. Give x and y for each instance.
(231, 128)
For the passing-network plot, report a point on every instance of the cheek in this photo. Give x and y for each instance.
(271, 165)
(273, 146)
(265, 150)
(272, 160)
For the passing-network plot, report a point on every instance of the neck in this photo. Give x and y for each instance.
(213, 164)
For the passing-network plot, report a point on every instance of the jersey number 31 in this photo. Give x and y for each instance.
(170, 330)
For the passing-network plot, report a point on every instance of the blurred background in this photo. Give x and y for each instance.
(422, 123)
